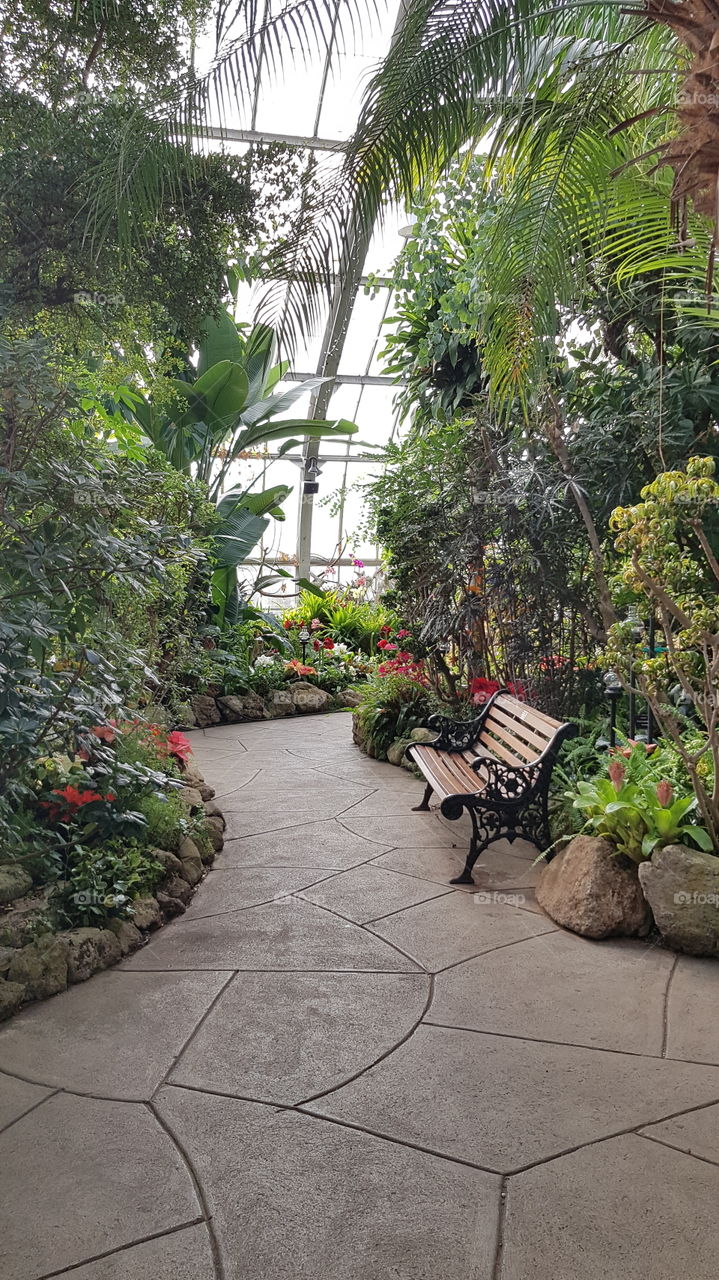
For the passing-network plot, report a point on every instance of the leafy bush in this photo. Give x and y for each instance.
(392, 707)
(102, 882)
(165, 818)
(354, 622)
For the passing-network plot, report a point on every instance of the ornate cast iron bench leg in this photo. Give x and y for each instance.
(424, 806)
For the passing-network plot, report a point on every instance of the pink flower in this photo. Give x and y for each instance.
(617, 772)
(315, 624)
(358, 563)
(401, 634)
(664, 793)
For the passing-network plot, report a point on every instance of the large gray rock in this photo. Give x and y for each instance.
(175, 887)
(682, 888)
(191, 799)
(396, 750)
(170, 861)
(185, 717)
(593, 891)
(307, 697)
(236, 709)
(215, 828)
(348, 698)
(14, 883)
(146, 913)
(279, 704)
(205, 710)
(12, 995)
(90, 950)
(6, 955)
(191, 861)
(127, 934)
(41, 968)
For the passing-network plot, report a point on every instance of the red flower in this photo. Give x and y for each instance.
(104, 732)
(381, 644)
(316, 646)
(401, 634)
(328, 643)
(178, 745)
(287, 624)
(481, 689)
(385, 631)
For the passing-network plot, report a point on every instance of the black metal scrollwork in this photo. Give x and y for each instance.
(455, 735)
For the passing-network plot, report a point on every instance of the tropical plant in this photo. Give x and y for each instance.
(228, 405)
(668, 543)
(637, 816)
(354, 622)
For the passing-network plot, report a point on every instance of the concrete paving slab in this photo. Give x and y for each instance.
(624, 1209)
(457, 926)
(86, 1039)
(252, 812)
(80, 1177)
(696, 1133)
(693, 1011)
(17, 1097)
(497, 869)
(313, 844)
(282, 1037)
(365, 893)
(415, 830)
(609, 995)
(235, 888)
(294, 1198)
(503, 1103)
(182, 1255)
(280, 935)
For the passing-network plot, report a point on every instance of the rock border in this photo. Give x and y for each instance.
(206, 710)
(55, 960)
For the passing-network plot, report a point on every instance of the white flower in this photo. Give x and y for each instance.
(341, 648)
(265, 660)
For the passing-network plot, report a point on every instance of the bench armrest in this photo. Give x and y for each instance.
(505, 783)
(454, 735)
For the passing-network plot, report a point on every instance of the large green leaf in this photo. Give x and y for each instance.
(270, 406)
(237, 535)
(316, 428)
(220, 341)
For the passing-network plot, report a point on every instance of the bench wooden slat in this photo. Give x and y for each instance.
(452, 773)
(499, 749)
(494, 731)
(520, 728)
(433, 765)
(529, 715)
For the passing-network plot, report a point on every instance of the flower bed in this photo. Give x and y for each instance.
(110, 842)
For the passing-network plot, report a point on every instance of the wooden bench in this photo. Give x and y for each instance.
(497, 768)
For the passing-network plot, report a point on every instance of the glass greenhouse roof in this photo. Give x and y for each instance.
(313, 102)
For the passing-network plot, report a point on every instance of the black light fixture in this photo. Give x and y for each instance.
(313, 471)
(304, 639)
(613, 686)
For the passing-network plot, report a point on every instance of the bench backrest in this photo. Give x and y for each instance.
(518, 734)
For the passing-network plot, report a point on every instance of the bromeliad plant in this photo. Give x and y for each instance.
(636, 812)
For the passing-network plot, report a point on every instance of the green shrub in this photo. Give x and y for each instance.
(391, 708)
(102, 882)
(166, 818)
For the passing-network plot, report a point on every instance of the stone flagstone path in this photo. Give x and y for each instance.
(337, 1067)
